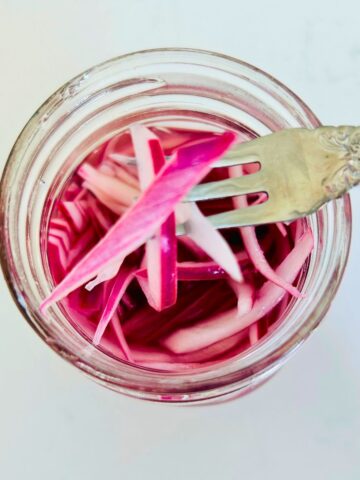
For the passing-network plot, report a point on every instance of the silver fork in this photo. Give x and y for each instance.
(300, 170)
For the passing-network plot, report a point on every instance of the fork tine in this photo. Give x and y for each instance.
(240, 154)
(228, 161)
(242, 217)
(234, 160)
(228, 188)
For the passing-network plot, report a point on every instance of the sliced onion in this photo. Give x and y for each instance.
(123, 279)
(108, 185)
(229, 323)
(161, 250)
(252, 245)
(201, 231)
(187, 168)
(105, 274)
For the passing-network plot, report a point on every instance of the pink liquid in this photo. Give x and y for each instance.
(71, 236)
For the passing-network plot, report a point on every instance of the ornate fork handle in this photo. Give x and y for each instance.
(345, 143)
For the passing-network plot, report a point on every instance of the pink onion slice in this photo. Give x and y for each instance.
(120, 147)
(116, 325)
(105, 199)
(98, 214)
(75, 212)
(203, 334)
(62, 254)
(252, 245)
(203, 270)
(262, 198)
(155, 204)
(81, 245)
(245, 294)
(161, 250)
(229, 323)
(105, 274)
(122, 281)
(62, 236)
(121, 172)
(149, 356)
(201, 231)
(110, 186)
(193, 271)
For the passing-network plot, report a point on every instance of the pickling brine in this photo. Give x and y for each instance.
(143, 293)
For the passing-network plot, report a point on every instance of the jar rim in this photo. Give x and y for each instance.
(226, 376)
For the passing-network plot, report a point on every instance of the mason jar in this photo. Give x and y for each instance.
(161, 87)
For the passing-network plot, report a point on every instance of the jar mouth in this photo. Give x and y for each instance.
(171, 83)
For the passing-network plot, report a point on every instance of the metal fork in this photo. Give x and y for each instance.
(300, 170)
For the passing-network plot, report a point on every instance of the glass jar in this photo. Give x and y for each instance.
(167, 86)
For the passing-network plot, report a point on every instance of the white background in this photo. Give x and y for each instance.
(305, 423)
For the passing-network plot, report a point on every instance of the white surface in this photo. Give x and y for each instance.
(305, 423)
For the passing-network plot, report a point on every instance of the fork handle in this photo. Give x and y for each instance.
(345, 142)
